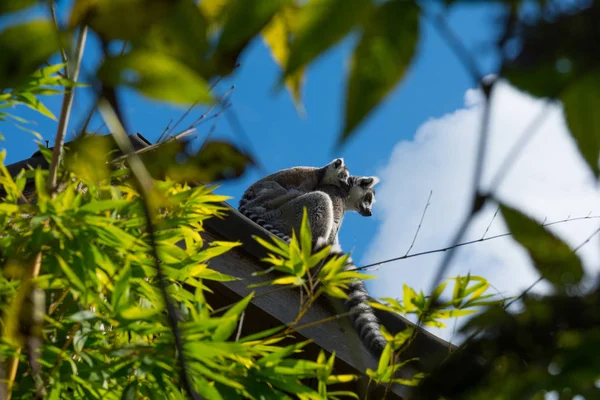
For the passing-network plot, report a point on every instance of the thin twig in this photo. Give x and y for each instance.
(420, 223)
(168, 131)
(164, 132)
(491, 222)
(144, 179)
(212, 107)
(464, 344)
(240, 324)
(65, 112)
(441, 250)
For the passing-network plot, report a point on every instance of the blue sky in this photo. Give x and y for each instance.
(434, 85)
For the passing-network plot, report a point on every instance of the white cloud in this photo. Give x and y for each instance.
(549, 181)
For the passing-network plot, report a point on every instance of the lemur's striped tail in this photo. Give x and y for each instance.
(362, 315)
(254, 216)
(364, 319)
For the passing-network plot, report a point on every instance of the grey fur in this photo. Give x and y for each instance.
(274, 190)
(326, 208)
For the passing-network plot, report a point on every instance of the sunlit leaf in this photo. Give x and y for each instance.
(118, 19)
(380, 59)
(243, 21)
(156, 75)
(321, 24)
(225, 330)
(7, 6)
(553, 259)
(277, 35)
(181, 34)
(408, 297)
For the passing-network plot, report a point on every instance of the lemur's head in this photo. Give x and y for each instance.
(336, 173)
(362, 194)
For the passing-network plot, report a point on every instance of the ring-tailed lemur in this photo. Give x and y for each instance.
(326, 207)
(278, 188)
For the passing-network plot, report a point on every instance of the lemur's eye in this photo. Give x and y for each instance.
(368, 198)
(337, 163)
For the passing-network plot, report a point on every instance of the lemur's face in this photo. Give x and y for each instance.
(337, 173)
(362, 194)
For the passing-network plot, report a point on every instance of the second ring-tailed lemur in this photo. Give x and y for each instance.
(326, 207)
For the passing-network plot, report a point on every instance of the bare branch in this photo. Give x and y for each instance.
(444, 249)
(491, 222)
(420, 223)
(65, 112)
(239, 330)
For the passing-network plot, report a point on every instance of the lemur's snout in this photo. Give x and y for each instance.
(365, 212)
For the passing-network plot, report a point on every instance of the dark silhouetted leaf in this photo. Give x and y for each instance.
(581, 100)
(23, 48)
(243, 21)
(180, 34)
(554, 260)
(555, 50)
(119, 19)
(277, 36)
(7, 6)
(321, 24)
(156, 75)
(380, 59)
(216, 161)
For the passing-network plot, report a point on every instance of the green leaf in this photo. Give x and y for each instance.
(409, 296)
(119, 19)
(321, 24)
(24, 47)
(104, 205)
(7, 6)
(554, 51)
(156, 75)
(277, 36)
(34, 103)
(181, 34)
(554, 260)
(244, 20)
(131, 391)
(305, 236)
(83, 315)
(225, 330)
(581, 101)
(384, 360)
(139, 313)
(70, 274)
(380, 59)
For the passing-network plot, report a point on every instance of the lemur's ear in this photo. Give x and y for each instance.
(368, 181)
(338, 162)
